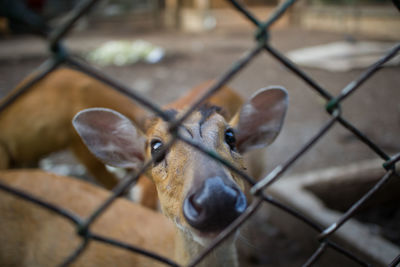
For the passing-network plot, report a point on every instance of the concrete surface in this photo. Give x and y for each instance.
(303, 193)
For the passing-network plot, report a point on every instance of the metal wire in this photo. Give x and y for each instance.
(345, 217)
(117, 86)
(236, 67)
(76, 253)
(77, 13)
(42, 71)
(60, 56)
(351, 87)
(58, 210)
(395, 262)
(280, 169)
(131, 248)
(227, 232)
(317, 254)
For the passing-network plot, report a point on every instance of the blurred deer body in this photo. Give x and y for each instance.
(34, 236)
(39, 123)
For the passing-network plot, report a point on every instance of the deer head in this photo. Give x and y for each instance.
(199, 194)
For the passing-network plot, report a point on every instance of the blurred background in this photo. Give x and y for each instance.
(162, 48)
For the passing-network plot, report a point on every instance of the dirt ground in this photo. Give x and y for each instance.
(193, 58)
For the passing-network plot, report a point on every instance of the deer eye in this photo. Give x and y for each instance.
(156, 146)
(230, 139)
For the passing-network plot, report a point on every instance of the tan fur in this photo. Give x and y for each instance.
(174, 180)
(39, 123)
(33, 236)
(182, 170)
(226, 98)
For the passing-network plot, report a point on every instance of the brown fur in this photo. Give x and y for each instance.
(174, 178)
(39, 123)
(33, 236)
(182, 171)
(183, 168)
(225, 98)
(230, 103)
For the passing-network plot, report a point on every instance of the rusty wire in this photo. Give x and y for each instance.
(61, 56)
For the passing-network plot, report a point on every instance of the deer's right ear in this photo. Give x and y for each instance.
(111, 137)
(261, 118)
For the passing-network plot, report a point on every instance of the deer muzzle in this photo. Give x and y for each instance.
(214, 205)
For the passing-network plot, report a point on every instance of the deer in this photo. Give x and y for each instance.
(34, 236)
(199, 196)
(38, 123)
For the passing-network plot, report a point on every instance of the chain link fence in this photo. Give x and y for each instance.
(60, 56)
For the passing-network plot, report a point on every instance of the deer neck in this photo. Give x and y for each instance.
(187, 249)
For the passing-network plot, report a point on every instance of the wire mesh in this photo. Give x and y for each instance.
(60, 56)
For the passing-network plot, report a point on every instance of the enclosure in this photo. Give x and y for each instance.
(341, 129)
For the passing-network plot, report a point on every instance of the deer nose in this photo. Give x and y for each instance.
(214, 206)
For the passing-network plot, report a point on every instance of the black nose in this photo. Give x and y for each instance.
(214, 206)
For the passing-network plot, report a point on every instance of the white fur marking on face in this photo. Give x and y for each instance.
(201, 240)
(120, 173)
(136, 194)
(178, 224)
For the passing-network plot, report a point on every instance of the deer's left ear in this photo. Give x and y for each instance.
(111, 137)
(260, 119)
